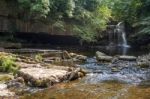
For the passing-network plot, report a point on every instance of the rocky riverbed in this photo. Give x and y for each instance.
(39, 71)
(120, 78)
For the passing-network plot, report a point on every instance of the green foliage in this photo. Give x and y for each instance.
(33, 9)
(85, 33)
(125, 10)
(135, 12)
(91, 16)
(144, 26)
(7, 63)
(87, 18)
(38, 57)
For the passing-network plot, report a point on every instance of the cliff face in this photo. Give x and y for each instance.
(13, 24)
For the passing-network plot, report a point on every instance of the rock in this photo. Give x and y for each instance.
(81, 57)
(144, 64)
(98, 53)
(26, 65)
(114, 69)
(77, 57)
(127, 58)
(3, 86)
(48, 61)
(52, 59)
(16, 83)
(66, 55)
(77, 73)
(52, 54)
(43, 77)
(73, 54)
(4, 92)
(102, 57)
(144, 61)
(145, 84)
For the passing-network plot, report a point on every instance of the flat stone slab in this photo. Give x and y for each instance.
(43, 77)
(103, 57)
(127, 58)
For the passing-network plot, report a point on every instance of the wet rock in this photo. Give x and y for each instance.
(4, 92)
(16, 83)
(144, 61)
(145, 83)
(102, 57)
(127, 58)
(77, 73)
(114, 69)
(144, 64)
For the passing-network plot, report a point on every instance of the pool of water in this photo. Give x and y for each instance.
(80, 90)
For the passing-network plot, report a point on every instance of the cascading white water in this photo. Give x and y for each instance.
(117, 37)
(120, 31)
(124, 39)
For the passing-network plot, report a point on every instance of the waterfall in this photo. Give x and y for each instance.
(117, 37)
(120, 31)
(124, 39)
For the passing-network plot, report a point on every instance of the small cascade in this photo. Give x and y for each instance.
(117, 38)
(121, 34)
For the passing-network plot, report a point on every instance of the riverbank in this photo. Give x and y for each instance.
(37, 71)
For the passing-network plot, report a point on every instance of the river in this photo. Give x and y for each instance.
(102, 82)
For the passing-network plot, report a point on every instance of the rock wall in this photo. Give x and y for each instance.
(8, 23)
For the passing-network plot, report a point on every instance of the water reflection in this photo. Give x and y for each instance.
(121, 50)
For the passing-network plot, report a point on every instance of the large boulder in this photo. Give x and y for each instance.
(42, 77)
(127, 58)
(103, 57)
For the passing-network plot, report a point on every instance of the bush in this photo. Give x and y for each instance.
(7, 63)
(38, 57)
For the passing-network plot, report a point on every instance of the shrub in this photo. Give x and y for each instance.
(7, 63)
(38, 58)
